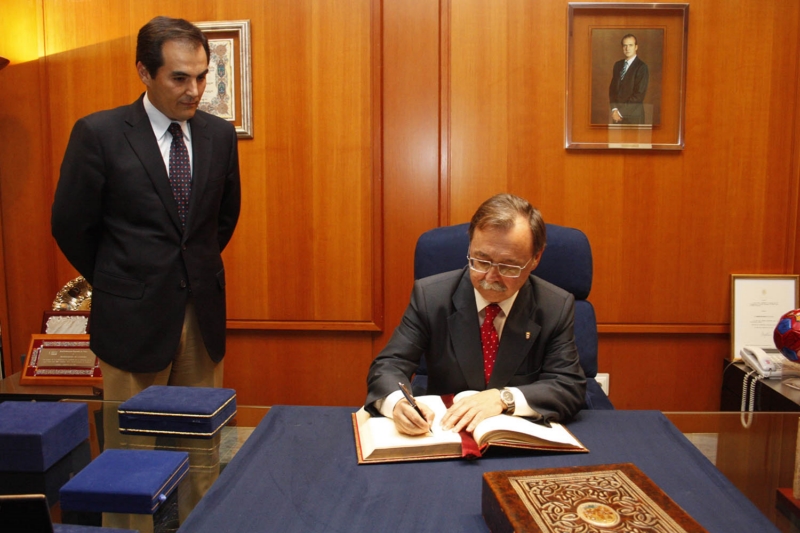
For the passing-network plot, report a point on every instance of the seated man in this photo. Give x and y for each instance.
(523, 360)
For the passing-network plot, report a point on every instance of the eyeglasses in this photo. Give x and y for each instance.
(507, 271)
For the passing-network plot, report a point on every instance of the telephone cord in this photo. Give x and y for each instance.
(748, 407)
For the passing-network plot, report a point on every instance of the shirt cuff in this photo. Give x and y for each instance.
(386, 405)
(521, 407)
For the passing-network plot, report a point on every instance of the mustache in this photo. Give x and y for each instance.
(496, 286)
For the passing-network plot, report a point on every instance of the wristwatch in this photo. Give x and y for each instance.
(507, 398)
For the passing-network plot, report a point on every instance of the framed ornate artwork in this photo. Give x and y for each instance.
(626, 76)
(229, 87)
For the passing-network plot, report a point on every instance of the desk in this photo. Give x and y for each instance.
(770, 394)
(298, 473)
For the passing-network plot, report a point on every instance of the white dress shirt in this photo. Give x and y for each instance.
(160, 123)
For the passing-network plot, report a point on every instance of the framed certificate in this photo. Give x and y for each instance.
(61, 360)
(757, 303)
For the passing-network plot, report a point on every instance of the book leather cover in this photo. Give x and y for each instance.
(177, 411)
(589, 499)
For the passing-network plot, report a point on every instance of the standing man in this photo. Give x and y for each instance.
(628, 85)
(491, 327)
(147, 199)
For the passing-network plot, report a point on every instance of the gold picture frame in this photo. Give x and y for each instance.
(655, 93)
(757, 303)
(229, 86)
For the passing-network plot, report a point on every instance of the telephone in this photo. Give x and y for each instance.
(768, 362)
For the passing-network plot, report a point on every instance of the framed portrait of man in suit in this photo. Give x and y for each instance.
(626, 72)
(626, 76)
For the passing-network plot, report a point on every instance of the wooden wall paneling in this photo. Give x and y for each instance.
(27, 271)
(312, 191)
(342, 156)
(535, 163)
(478, 106)
(298, 367)
(86, 71)
(794, 257)
(670, 372)
(314, 208)
(411, 129)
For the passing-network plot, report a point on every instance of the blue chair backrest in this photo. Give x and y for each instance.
(566, 262)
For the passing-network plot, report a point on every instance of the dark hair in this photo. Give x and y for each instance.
(502, 210)
(159, 30)
(635, 41)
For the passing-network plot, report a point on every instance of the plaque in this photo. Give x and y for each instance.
(61, 360)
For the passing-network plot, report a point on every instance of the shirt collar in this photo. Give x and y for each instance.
(160, 122)
(505, 305)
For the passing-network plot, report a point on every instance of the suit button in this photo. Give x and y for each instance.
(183, 247)
(183, 284)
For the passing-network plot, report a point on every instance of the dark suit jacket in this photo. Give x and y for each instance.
(116, 220)
(441, 322)
(628, 94)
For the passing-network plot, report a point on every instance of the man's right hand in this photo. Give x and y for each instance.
(408, 421)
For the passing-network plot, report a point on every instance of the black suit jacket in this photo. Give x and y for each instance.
(116, 220)
(537, 350)
(627, 94)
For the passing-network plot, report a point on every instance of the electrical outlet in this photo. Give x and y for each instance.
(603, 380)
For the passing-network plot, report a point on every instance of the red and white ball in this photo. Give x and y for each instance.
(787, 335)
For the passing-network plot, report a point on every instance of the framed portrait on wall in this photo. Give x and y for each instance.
(626, 76)
(229, 88)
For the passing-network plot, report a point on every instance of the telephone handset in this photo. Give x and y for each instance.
(768, 362)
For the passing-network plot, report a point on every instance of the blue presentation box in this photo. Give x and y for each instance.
(197, 412)
(51, 480)
(36, 435)
(125, 481)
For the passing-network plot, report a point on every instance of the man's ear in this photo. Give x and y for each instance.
(144, 75)
(537, 258)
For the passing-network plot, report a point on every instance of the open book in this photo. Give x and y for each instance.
(378, 441)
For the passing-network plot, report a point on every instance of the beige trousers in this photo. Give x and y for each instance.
(191, 366)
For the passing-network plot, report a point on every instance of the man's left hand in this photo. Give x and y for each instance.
(472, 410)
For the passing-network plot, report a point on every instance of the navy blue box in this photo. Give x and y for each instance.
(35, 435)
(125, 481)
(177, 411)
(51, 480)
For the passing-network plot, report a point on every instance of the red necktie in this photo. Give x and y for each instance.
(489, 340)
(180, 172)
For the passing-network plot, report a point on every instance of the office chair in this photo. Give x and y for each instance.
(566, 262)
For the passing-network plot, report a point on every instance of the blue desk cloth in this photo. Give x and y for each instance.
(298, 473)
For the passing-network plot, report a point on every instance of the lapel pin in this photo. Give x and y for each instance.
(527, 335)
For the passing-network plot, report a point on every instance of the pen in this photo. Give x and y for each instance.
(411, 400)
